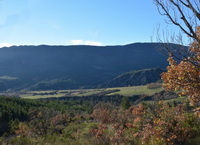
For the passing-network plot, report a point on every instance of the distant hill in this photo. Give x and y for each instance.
(69, 67)
(9, 83)
(134, 78)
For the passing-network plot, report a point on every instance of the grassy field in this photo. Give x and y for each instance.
(179, 99)
(136, 90)
(7, 78)
(125, 91)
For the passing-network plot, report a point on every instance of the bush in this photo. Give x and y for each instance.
(154, 85)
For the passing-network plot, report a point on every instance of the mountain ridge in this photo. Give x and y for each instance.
(134, 78)
(85, 66)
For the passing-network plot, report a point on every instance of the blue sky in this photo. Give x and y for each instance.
(67, 22)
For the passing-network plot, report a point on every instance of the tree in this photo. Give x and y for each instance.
(125, 103)
(183, 76)
(185, 14)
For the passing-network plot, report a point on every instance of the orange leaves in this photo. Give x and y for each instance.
(171, 61)
(23, 130)
(156, 123)
(185, 76)
(103, 112)
(166, 126)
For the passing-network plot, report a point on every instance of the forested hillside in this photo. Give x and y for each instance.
(135, 78)
(92, 121)
(67, 67)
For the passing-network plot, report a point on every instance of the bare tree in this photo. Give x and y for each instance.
(185, 14)
(184, 75)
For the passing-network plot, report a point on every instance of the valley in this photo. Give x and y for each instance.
(88, 94)
(124, 91)
(85, 72)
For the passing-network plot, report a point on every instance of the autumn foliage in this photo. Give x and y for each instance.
(152, 124)
(184, 77)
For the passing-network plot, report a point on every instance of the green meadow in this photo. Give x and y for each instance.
(125, 91)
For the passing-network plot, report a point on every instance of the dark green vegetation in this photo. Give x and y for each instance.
(71, 67)
(94, 122)
(15, 110)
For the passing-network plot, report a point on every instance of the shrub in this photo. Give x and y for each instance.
(154, 85)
